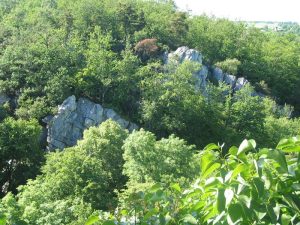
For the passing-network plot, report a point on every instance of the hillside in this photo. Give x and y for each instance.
(102, 99)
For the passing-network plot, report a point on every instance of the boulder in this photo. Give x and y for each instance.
(73, 117)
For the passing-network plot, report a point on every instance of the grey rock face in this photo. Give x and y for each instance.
(230, 80)
(218, 74)
(3, 98)
(66, 128)
(235, 83)
(240, 83)
(184, 53)
(202, 77)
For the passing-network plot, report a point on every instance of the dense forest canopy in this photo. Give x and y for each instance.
(113, 53)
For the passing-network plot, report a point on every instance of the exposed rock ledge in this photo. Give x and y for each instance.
(65, 128)
(184, 53)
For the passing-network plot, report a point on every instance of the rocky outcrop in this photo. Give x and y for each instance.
(184, 53)
(73, 117)
(235, 83)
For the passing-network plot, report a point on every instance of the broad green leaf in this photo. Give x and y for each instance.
(253, 143)
(245, 146)
(221, 201)
(158, 196)
(295, 148)
(277, 211)
(233, 150)
(293, 200)
(228, 176)
(259, 186)
(260, 215)
(210, 170)
(289, 145)
(207, 159)
(284, 143)
(212, 181)
(235, 212)
(296, 187)
(189, 219)
(211, 146)
(285, 219)
(240, 168)
(92, 220)
(271, 214)
(257, 167)
(279, 157)
(230, 222)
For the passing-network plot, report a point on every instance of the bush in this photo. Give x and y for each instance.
(229, 66)
(247, 186)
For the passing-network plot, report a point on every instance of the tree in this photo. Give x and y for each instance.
(20, 154)
(78, 180)
(228, 190)
(98, 77)
(148, 160)
(130, 19)
(245, 116)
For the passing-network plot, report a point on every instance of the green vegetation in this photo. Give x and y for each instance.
(112, 53)
(20, 155)
(245, 186)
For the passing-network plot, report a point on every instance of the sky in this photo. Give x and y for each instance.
(248, 10)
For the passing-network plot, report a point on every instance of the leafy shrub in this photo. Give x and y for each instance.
(229, 65)
(246, 186)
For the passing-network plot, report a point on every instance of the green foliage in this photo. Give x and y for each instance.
(52, 49)
(148, 160)
(77, 181)
(20, 155)
(246, 186)
(229, 66)
(245, 116)
(171, 104)
(263, 56)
